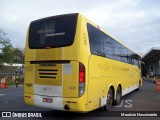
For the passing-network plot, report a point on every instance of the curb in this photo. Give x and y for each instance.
(15, 86)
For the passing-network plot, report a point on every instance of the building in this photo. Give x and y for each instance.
(7, 69)
(152, 62)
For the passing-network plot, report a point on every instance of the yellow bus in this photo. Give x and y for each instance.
(71, 64)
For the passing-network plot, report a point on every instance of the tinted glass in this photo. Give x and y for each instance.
(56, 31)
(103, 45)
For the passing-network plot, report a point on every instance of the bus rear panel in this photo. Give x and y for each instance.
(54, 75)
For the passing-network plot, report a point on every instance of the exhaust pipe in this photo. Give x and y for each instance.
(66, 107)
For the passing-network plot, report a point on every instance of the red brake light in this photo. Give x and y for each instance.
(81, 73)
(81, 79)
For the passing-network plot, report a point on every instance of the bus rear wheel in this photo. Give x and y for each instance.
(109, 100)
(118, 96)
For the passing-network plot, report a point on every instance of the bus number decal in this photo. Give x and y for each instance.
(28, 68)
(72, 87)
(47, 89)
(85, 38)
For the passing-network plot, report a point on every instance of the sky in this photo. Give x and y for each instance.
(136, 23)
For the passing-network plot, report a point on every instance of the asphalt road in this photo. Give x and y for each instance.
(146, 99)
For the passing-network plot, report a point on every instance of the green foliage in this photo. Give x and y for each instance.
(8, 53)
(18, 55)
(3, 40)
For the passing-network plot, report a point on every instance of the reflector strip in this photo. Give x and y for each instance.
(28, 96)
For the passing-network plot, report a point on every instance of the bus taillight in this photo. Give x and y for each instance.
(81, 79)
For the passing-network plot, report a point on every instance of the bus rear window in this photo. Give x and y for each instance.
(56, 31)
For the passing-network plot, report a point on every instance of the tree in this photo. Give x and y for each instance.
(3, 39)
(18, 55)
(8, 53)
(5, 47)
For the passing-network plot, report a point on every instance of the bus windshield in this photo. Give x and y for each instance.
(57, 31)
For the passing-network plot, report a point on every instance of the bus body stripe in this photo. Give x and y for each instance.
(129, 89)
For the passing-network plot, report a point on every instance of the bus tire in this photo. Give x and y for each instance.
(118, 96)
(109, 100)
(139, 86)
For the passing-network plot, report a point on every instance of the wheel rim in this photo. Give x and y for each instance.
(109, 98)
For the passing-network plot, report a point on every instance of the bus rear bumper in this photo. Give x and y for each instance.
(49, 102)
(57, 103)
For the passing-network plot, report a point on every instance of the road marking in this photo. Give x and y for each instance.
(1, 95)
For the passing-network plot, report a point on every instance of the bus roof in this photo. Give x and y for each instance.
(97, 26)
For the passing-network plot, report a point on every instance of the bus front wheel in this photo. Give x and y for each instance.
(139, 86)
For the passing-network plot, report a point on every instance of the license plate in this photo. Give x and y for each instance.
(48, 100)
